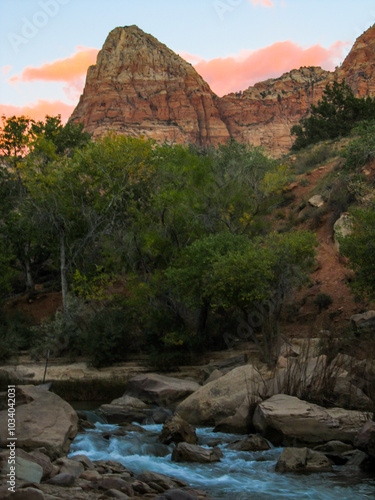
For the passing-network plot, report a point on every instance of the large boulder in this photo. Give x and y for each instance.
(177, 430)
(287, 420)
(43, 421)
(363, 320)
(365, 440)
(303, 460)
(125, 409)
(185, 452)
(160, 389)
(222, 398)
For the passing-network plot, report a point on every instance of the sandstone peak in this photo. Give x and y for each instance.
(139, 86)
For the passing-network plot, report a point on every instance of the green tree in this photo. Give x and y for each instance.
(359, 247)
(234, 274)
(334, 116)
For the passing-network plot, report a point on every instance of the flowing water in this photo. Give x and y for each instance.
(239, 475)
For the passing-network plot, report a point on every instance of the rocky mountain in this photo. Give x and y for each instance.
(141, 87)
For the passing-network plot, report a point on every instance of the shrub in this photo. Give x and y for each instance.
(323, 301)
(109, 337)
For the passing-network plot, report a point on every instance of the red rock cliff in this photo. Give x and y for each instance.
(140, 87)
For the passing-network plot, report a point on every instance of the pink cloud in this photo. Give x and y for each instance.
(6, 69)
(231, 74)
(263, 3)
(39, 110)
(62, 70)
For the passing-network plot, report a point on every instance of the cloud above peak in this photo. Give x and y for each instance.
(62, 70)
(238, 72)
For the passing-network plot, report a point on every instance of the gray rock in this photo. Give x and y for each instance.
(164, 482)
(27, 494)
(316, 201)
(185, 452)
(62, 480)
(176, 495)
(303, 460)
(250, 443)
(68, 466)
(363, 320)
(177, 430)
(115, 483)
(365, 440)
(160, 389)
(287, 420)
(44, 420)
(26, 470)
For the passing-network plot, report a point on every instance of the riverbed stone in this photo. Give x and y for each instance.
(303, 460)
(222, 398)
(44, 421)
(160, 389)
(26, 470)
(365, 439)
(287, 420)
(250, 443)
(161, 480)
(177, 430)
(125, 409)
(62, 479)
(185, 452)
(176, 495)
(26, 494)
(114, 494)
(68, 466)
(115, 483)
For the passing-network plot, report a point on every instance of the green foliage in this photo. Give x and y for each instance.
(334, 116)
(361, 150)
(109, 338)
(359, 247)
(312, 157)
(323, 301)
(15, 334)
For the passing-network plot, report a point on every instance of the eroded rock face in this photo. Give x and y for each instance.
(140, 87)
(43, 421)
(288, 420)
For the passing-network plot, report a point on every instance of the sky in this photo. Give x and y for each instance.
(46, 46)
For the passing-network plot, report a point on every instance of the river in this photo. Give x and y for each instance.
(239, 475)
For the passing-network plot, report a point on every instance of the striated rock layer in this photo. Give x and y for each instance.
(141, 87)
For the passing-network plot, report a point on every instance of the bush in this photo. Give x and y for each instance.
(15, 334)
(109, 337)
(312, 157)
(323, 301)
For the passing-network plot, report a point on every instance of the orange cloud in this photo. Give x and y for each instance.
(263, 3)
(236, 73)
(39, 110)
(69, 69)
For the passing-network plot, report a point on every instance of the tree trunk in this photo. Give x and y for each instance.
(64, 272)
(28, 275)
